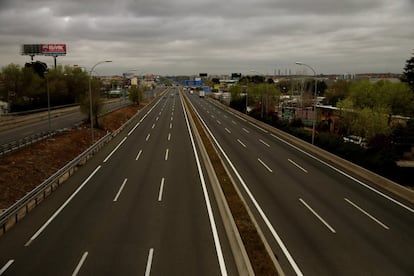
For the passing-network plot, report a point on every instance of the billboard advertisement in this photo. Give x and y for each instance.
(54, 49)
(44, 49)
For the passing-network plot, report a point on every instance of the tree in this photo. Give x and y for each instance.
(76, 83)
(366, 122)
(396, 96)
(237, 101)
(336, 92)
(11, 77)
(408, 73)
(97, 103)
(135, 94)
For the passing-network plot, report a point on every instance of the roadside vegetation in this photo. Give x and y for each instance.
(27, 88)
(378, 116)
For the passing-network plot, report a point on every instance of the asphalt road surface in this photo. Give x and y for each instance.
(141, 206)
(317, 219)
(66, 120)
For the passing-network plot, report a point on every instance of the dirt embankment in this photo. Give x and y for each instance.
(22, 170)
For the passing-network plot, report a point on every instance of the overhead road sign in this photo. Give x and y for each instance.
(194, 83)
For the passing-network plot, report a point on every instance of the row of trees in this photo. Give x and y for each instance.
(368, 107)
(24, 89)
(367, 110)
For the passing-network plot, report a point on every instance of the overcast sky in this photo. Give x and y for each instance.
(172, 37)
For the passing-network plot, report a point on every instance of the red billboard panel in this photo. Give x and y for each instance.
(54, 49)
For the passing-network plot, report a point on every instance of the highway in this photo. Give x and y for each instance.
(317, 219)
(141, 206)
(66, 119)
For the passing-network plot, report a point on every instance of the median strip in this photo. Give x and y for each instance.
(260, 260)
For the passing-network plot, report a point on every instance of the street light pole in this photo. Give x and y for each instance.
(247, 96)
(48, 101)
(90, 96)
(314, 99)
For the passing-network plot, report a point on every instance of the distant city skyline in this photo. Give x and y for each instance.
(186, 37)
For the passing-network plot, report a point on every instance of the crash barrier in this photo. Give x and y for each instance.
(13, 214)
(25, 141)
(18, 210)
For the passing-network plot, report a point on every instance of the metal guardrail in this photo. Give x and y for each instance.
(33, 111)
(18, 210)
(28, 140)
(25, 141)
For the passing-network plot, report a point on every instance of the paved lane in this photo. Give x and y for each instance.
(320, 221)
(138, 207)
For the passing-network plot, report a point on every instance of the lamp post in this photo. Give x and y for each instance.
(247, 96)
(90, 96)
(314, 99)
(48, 100)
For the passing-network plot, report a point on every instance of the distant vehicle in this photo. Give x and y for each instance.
(114, 94)
(356, 140)
(202, 94)
(191, 92)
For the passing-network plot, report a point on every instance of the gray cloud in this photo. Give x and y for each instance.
(190, 36)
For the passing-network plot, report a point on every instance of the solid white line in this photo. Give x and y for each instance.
(264, 143)
(120, 190)
(219, 252)
(297, 165)
(6, 266)
(228, 130)
(161, 189)
(62, 207)
(256, 204)
(318, 216)
(238, 140)
(142, 119)
(169, 136)
(245, 130)
(149, 262)
(367, 214)
(133, 129)
(139, 154)
(166, 154)
(148, 136)
(78, 267)
(262, 129)
(153, 126)
(115, 149)
(345, 174)
(264, 165)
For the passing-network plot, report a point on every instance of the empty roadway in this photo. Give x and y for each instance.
(138, 207)
(318, 220)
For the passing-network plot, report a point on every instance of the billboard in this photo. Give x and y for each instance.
(53, 49)
(44, 49)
